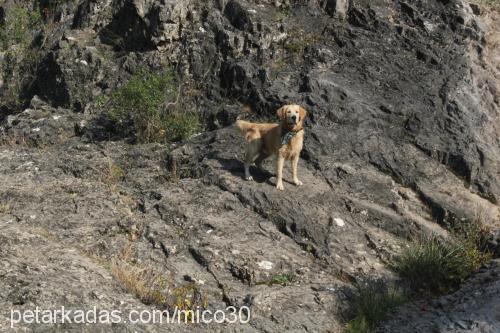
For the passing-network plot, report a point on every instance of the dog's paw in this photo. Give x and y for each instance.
(249, 178)
(298, 182)
(280, 187)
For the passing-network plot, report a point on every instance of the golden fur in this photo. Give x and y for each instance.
(264, 140)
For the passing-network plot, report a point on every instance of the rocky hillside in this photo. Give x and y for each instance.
(402, 139)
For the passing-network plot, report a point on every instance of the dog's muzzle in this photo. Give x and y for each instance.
(293, 120)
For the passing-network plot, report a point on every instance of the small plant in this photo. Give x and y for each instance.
(4, 208)
(100, 101)
(284, 11)
(473, 237)
(297, 45)
(281, 279)
(374, 302)
(187, 298)
(140, 105)
(113, 173)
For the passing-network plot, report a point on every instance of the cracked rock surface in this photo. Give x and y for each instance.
(403, 138)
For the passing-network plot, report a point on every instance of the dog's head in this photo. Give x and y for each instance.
(292, 116)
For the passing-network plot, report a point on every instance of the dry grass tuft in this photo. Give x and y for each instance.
(5, 208)
(375, 300)
(145, 284)
(112, 174)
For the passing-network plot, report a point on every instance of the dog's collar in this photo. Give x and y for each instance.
(288, 135)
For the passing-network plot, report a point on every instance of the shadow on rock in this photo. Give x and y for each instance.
(236, 168)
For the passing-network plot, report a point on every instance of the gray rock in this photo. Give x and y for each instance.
(463, 311)
(401, 140)
(337, 8)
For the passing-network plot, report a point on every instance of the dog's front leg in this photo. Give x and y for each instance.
(295, 163)
(279, 172)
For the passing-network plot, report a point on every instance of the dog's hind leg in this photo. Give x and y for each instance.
(247, 171)
(253, 147)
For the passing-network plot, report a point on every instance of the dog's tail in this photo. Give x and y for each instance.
(243, 126)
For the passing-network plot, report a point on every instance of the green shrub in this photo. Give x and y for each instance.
(431, 264)
(20, 61)
(374, 302)
(20, 23)
(435, 265)
(180, 126)
(141, 104)
(428, 264)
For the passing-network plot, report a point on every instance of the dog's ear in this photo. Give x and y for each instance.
(302, 113)
(281, 113)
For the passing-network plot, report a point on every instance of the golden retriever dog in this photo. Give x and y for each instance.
(283, 140)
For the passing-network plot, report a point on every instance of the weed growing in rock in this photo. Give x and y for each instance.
(281, 279)
(299, 42)
(148, 104)
(113, 173)
(4, 208)
(429, 263)
(435, 265)
(374, 302)
(145, 284)
(187, 298)
(155, 288)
